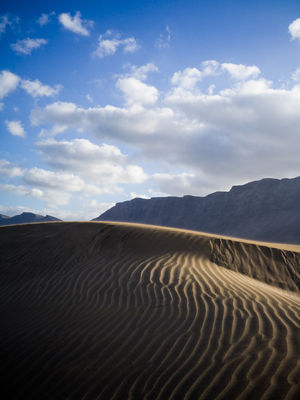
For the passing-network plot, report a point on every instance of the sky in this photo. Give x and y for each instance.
(101, 102)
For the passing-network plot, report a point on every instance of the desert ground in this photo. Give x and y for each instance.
(126, 311)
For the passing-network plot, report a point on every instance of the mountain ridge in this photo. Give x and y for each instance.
(25, 218)
(267, 210)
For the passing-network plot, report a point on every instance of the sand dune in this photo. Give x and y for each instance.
(124, 311)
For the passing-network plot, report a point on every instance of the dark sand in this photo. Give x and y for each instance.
(123, 311)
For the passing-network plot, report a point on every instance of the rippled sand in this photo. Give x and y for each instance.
(124, 311)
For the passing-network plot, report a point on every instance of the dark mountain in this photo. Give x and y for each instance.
(3, 218)
(26, 217)
(267, 210)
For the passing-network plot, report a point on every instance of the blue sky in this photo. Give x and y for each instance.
(105, 101)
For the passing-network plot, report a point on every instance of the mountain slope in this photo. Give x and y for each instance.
(267, 210)
(3, 218)
(25, 218)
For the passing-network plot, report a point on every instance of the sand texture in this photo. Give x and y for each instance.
(124, 311)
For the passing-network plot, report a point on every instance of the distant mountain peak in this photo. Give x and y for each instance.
(26, 217)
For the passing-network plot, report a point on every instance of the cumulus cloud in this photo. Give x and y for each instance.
(26, 46)
(15, 128)
(79, 167)
(44, 19)
(8, 170)
(164, 39)
(294, 29)
(245, 131)
(132, 124)
(105, 164)
(36, 89)
(189, 77)
(109, 43)
(141, 73)
(240, 71)
(53, 131)
(42, 178)
(8, 83)
(53, 187)
(137, 92)
(76, 24)
(21, 190)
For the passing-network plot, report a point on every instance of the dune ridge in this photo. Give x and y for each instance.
(117, 311)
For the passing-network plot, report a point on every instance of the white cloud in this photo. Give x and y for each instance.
(294, 29)
(245, 131)
(26, 46)
(210, 67)
(109, 43)
(179, 184)
(53, 131)
(8, 83)
(104, 165)
(53, 187)
(76, 24)
(129, 45)
(15, 128)
(8, 170)
(80, 169)
(133, 124)
(89, 98)
(88, 210)
(42, 178)
(142, 72)
(37, 89)
(137, 92)
(240, 71)
(134, 195)
(4, 22)
(296, 75)
(189, 77)
(44, 19)
(21, 190)
(164, 39)
(15, 210)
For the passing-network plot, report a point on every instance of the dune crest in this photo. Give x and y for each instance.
(122, 311)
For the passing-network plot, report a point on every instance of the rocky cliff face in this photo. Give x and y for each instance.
(26, 217)
(268, 210)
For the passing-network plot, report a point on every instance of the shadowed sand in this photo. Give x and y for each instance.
(125, 311)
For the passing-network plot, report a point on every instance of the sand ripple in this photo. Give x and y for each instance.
(122, 311)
